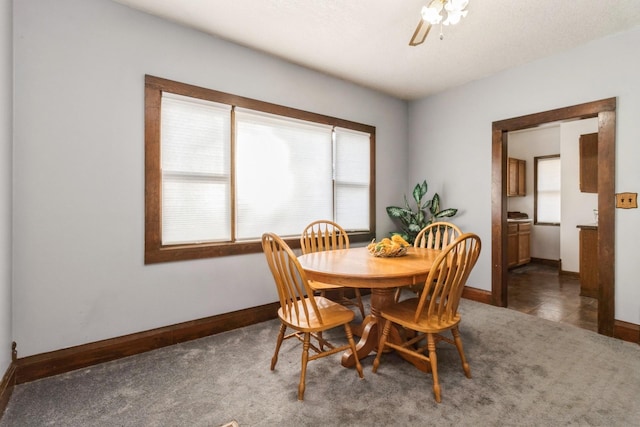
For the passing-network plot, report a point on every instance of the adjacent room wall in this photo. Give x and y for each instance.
(6, 98)
(552, 242)
(577, 208)
(79, 275)
(526, 145)
(450, 141)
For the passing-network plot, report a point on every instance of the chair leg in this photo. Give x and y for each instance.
(359, 302)
(305, 359)
(383, 340)
(396, 298)
(320, 341)
(274, 359)
(431, 345)
(458, 341)
(352, 343)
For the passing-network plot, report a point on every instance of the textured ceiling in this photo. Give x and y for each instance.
(366, 41)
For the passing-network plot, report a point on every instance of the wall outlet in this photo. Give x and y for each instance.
(627, 200)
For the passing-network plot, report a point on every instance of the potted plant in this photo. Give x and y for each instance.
(412, 221)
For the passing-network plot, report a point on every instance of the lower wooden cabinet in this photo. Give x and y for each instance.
(512, 245)
(518, 243)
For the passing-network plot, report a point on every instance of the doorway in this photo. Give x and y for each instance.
(605, 111)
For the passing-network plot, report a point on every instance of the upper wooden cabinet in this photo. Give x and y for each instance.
(589, 163)
(516, 184)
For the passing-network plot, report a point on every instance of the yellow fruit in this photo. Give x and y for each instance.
(399, 240)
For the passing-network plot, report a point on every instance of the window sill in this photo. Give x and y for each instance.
(159, 254)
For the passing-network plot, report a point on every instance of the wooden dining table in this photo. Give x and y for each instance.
(357, 268)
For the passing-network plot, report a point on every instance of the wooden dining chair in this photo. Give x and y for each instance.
(436, 235)
(435, 311)
(325, 235)
(306, 314)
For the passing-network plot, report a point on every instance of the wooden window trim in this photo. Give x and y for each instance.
(155, 252)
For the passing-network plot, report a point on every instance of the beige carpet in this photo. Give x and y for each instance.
(526, 372)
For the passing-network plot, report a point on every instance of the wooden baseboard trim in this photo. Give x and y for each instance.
(626, 331)
(60, 361)
(622, 330)
(545, 261)
(570, 274)
(6, 386)
(478, 295)
(57, 362)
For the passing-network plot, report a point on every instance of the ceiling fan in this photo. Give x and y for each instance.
(433, 15)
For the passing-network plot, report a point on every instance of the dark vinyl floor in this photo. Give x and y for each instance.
(539, 290)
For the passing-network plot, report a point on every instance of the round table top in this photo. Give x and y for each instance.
(357, 268)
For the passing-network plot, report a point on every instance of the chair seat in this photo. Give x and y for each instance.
(403, 313)
(333, 314)
(437, 235)
(308, 315)
(435, 310)
(326, 235)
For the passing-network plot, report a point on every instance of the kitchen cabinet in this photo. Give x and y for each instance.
(518, 243)
(517, 174)
(589, 261)
(589, 163)
(512, 245)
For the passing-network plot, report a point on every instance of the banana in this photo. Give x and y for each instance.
(396, 238)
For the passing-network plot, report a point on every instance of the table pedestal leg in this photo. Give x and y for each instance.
(371, 327)
(371, 330)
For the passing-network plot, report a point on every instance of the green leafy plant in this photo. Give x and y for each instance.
(412, 221)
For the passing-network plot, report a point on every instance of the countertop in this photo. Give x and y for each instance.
(519, 219)
(593, 226)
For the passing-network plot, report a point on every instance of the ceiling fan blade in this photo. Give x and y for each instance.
(420, 34)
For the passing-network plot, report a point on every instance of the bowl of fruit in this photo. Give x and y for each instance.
(392, 247)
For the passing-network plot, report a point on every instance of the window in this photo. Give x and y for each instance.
(547, 190)
(222, 169)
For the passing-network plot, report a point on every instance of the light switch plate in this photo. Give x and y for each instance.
(627, 200)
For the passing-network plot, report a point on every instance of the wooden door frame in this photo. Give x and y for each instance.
(605, 111)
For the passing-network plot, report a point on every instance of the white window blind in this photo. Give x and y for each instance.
(195, 164)
(283, 174)
(352, 164)
(548, 190)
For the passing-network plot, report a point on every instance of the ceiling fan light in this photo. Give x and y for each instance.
(431, 14)
(451, 20)
(453, 7)
(454, 17)
(457, 4)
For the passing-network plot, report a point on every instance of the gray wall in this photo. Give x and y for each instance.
(79, 168)
(78, 162)
(450, 141)
(6, 96)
